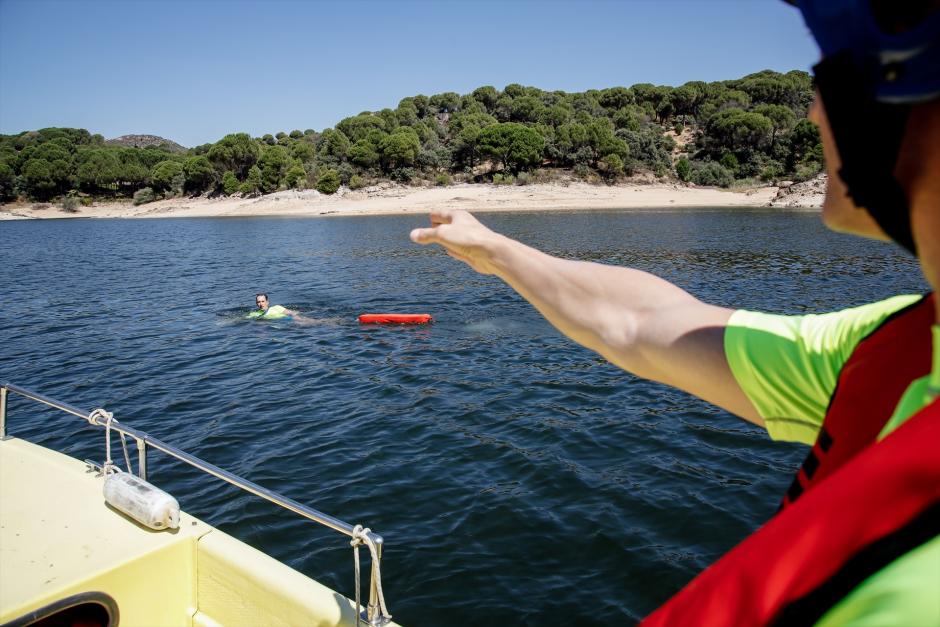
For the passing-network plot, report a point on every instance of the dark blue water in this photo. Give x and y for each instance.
(517, 478)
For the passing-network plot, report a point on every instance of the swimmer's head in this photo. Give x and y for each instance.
(261, 300)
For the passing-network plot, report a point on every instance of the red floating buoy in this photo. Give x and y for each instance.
(392, 318)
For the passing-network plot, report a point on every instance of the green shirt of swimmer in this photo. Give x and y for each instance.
(266, 311)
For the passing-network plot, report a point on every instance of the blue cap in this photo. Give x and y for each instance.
(902, 68)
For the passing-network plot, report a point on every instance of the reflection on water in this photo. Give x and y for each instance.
(517, 478)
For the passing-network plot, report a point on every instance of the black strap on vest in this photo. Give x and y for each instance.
(808, 609)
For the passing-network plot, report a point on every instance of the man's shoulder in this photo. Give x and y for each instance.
(277, 311)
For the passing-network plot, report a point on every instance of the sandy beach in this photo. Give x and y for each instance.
(394, 199)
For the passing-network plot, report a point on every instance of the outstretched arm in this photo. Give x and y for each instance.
(637, 321)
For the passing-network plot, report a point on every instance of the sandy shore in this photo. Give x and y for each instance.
(389, 199)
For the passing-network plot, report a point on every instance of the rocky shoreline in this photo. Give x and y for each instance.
(809, 193)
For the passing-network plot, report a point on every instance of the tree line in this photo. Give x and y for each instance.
(752, 128)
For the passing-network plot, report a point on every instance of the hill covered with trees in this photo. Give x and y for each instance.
(752, 129)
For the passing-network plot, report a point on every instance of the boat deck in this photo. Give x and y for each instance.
(58, 538)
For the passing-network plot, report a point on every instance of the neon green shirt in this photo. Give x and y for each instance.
(788, 367)
(273, 313)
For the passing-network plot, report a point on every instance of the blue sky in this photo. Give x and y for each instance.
(193, 71)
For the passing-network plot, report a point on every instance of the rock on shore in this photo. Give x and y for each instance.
(809, 193)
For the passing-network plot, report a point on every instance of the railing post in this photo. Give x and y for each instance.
(141, 458)
(374, 611)
(3, 413)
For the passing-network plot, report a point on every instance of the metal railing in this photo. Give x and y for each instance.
(375, 614)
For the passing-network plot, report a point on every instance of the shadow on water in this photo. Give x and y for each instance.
(467, 443)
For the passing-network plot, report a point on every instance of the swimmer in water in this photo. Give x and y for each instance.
(268, 312)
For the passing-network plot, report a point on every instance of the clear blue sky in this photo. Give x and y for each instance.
(193, 71)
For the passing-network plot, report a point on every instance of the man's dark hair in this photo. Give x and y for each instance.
(262, 294)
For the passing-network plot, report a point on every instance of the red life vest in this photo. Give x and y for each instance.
(879, 500)
(869, 388)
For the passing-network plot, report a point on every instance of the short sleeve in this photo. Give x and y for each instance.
(788, 366)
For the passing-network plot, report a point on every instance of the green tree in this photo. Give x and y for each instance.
(236, 152)
(683, 169)
(38, 180)
(465, 146)
(688, 98)
(587, 107)
(97, 169)
(782, 118)
(328, 182)
(178, 184)
(364, 154)
(555, 115)
(252, 183)
(615, 98)
(52, 151)
(515, 146)
(719, 97)
(649, 147)
(143, 196)
(58, 159)
(400, 149)
(652, 95)
(711, 173)
(199, 173)
(390, 118)
(296, 177)
(771, 87)
(804, 138)
(734, 129)
(630, 118)
(7, 178)
(448, 102)
(273, 163)
(132, 171)
(407, 114)
(358, 127)
(569, 140)
(303, 151)
(602, 141)
(611, 166)
(162, 175)
(229, 183)
(729, 162)
(334, 143)
(465, 132)
(423, 104)
(525, 109)
(486, 96)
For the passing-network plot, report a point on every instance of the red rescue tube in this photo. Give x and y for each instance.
(392, 318)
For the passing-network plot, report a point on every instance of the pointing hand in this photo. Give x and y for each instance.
(462, 236)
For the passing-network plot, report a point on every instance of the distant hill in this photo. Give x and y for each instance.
(145, 141)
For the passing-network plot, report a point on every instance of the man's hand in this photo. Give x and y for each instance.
(462, 236)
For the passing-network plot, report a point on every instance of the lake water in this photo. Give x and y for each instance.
(517, 478)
